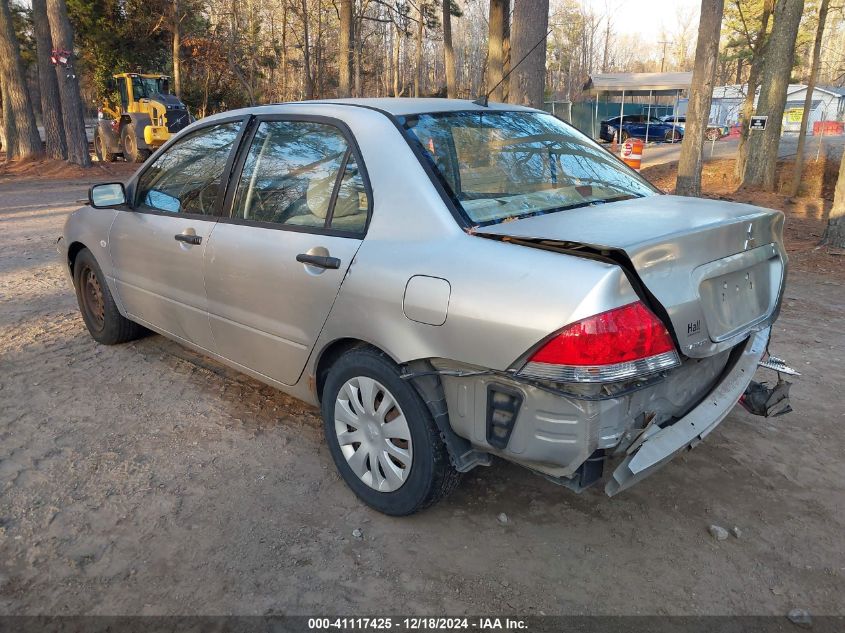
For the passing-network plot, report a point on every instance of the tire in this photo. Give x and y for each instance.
(99, 311)
(131, 152)
(411, 474)
(101, 149)
(672, 136)
(624, 136)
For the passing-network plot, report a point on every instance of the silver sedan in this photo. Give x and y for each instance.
(447, 281)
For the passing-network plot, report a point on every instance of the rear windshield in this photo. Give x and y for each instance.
(499, 166)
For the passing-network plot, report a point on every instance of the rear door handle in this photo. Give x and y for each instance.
(320, 261)
(188, 239)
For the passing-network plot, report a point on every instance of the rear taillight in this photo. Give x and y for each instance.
(615, 345)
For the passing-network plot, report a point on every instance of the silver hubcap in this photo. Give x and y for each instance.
(373, 434)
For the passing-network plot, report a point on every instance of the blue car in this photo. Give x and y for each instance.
(636, 125)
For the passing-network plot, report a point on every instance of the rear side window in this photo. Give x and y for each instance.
(303, 174)
(186, 177)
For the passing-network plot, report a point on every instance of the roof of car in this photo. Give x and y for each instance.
(406, 105)
(400, 106)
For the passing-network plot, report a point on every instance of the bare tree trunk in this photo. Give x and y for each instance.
(528, 52)
(506, 55)
(419, 49)
(176, 30)
(306, 54)
(28, 143)
(72, 111)
(9, 135)
(698, 112)
(762, 158)
(496, 47)
(345, 49)
(758, 58)
(284, 51)
(834, 234)
(51, 106)
(386, 68)
(449, 51)
(234, 67)
(808, 100)
(359, 59)
(606, 45)
(397, 43)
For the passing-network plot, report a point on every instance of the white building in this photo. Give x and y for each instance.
(828, 105)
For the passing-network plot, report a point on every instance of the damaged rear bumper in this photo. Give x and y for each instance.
(660, 445)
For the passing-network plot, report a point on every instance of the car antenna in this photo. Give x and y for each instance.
(483, 100)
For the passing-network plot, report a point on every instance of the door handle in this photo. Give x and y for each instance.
(320, 261)
(188, 239)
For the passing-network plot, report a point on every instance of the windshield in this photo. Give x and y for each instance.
(147, 87)
(500, 166)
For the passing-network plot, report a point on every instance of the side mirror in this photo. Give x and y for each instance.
(107, 196)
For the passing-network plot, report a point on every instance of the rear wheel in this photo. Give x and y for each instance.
(131, 152)
(99, 311)
(101, 149)
(382, 437)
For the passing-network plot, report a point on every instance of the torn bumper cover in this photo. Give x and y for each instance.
(660, 445)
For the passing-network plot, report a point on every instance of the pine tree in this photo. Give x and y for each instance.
(51, 105)
(528, 52)
(762, 158)
(72, 110)
(701, 94)
(25, 143)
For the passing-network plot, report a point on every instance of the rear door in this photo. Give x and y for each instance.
(157, 246)
(299, 207)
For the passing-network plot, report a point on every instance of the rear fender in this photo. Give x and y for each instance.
(609, 256)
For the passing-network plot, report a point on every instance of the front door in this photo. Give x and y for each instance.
(157, 247)
(274, 267)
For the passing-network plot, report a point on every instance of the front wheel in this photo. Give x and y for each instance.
(382, 437)
(624, 136)
(104, 321)
(131, 152)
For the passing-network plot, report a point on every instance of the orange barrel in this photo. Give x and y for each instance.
(632, 153)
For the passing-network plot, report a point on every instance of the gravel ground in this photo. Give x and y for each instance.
(145, 479)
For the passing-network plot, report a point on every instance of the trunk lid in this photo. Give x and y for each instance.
(715, 268)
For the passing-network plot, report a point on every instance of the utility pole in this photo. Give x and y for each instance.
(663, 59)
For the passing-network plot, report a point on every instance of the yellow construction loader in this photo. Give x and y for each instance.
(142, 118)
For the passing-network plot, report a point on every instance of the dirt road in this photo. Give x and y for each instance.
(143, 479)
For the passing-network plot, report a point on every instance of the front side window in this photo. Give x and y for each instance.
(499, 166)
(186, 177)
(301, 173)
